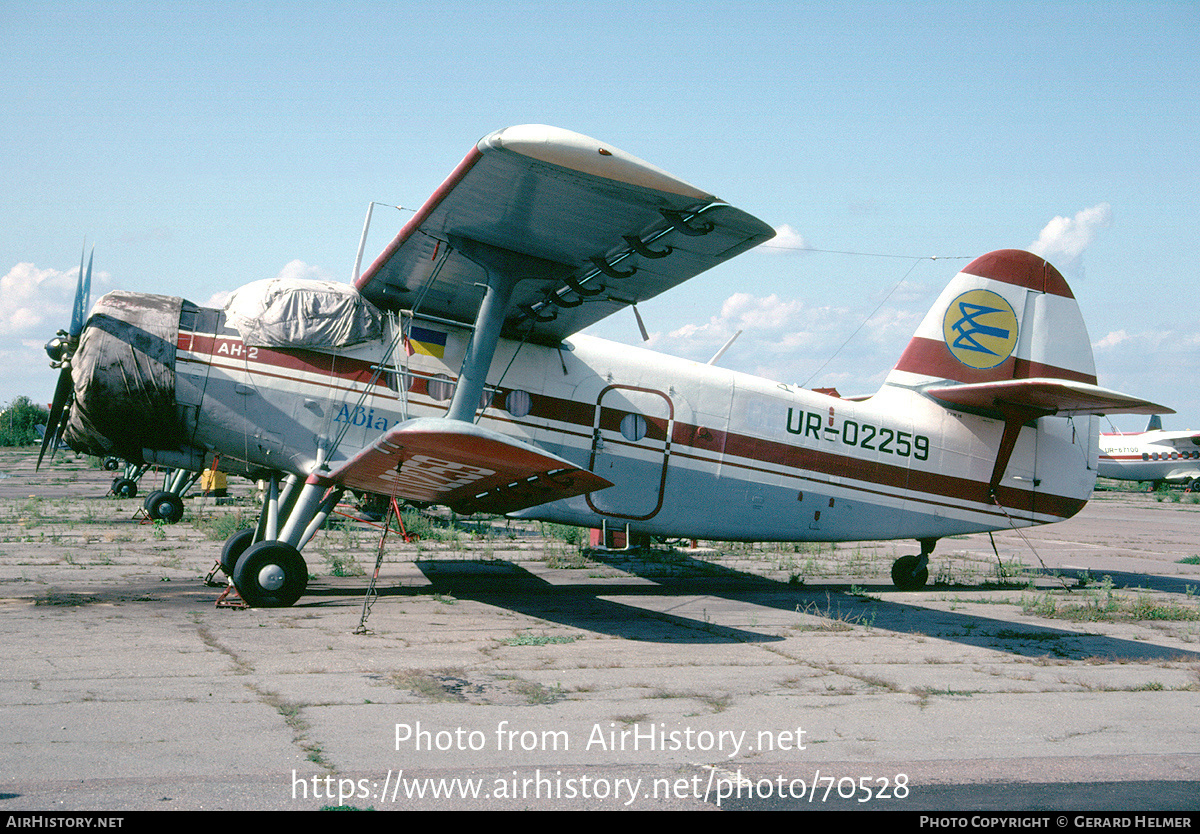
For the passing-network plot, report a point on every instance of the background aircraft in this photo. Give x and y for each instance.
(453, 373)
(1152, 455)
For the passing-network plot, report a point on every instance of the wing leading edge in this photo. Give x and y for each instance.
(464, 467)
(585, 227)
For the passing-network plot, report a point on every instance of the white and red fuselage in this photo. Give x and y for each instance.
(1153, 455)
(454, 371)
(692, 449)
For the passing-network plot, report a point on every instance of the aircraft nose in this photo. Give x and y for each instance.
(56, 347)
(124, 377)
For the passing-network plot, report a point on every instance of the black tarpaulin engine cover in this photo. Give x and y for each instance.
(124, 377)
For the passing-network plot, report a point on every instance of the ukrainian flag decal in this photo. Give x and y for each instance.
(980, 328)
(428, 342)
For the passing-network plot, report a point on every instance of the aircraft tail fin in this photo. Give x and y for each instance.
(1155, 423)
(1007, 315)
(1006, 335)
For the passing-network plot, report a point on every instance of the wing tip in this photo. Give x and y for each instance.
(584, 154)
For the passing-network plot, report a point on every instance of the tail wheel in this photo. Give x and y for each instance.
(906, 576)
(270, 574)
(165, 506)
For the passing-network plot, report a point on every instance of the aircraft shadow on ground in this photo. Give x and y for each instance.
(509, 586)
(589, 606)
(1186, 585)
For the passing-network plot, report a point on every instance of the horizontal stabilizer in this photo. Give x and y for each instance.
(464, 467)
(1046, 395)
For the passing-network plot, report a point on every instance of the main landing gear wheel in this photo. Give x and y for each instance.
(233, 549)
(124, 488)
(905, 575)
(270, 574)
(165, 506)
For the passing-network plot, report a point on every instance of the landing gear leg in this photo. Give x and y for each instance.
(265, 565)
(910, 573)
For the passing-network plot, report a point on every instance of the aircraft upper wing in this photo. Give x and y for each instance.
(464, 467)
(592, 228)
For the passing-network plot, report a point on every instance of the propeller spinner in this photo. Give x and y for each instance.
(60, 349)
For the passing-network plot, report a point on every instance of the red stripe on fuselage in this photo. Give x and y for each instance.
(810, 460)
(730, 447)
(304, 361)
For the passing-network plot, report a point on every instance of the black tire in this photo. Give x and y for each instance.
(903, 576)
(165, 506)
(151, 497)
(112, 464)
(270, 574)
(125, 488)
(233, 549)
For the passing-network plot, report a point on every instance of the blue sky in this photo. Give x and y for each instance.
(200, 148)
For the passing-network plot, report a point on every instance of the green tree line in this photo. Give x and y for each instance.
(17, 422)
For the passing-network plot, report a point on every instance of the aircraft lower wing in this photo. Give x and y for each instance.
(1049, 395)
(464, 467)
(586, 229)
(1182, 474)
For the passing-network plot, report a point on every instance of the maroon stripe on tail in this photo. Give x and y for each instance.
(1022, 269)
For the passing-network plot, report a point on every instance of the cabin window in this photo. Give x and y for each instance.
(518, 403)
(440, 387)
(633, 427)
(398, 379)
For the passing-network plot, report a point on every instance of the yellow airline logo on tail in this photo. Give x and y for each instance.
(980, 328)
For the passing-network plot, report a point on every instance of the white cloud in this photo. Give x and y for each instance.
(786, 239)
(299, 270)
(217, 300)
(744, 311)
(1111, 340)
(36, 304)
(766, 318)
(36, 298)
(790, 340)
(1065, 238)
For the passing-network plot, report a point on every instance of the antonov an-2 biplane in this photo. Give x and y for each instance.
(453, 372)
(1152, 455)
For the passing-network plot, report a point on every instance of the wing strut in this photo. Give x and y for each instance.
(504, 269)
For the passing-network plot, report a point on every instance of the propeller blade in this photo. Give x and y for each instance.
(62, 392)
(83, 291)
